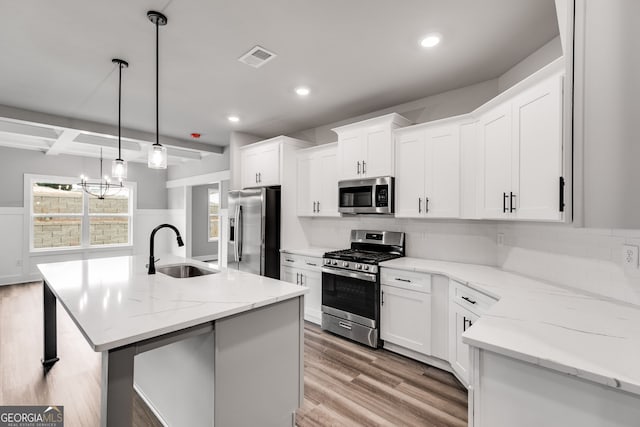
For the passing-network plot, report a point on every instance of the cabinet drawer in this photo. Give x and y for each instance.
(420, 282)
(300, 261)
(471, 299)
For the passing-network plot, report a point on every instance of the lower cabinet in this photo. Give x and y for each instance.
(462, 319)
(405, 318)
(309, 276)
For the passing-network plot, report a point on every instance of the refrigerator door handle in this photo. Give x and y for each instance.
(235, 234)
(239, 234)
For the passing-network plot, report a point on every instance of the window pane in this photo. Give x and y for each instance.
(50, 198)
(118, 204)
(214, 222)
(56, 232)
(109, 230)
(214, 202)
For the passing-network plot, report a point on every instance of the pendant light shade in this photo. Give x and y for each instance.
(119, 166)
(157, 153)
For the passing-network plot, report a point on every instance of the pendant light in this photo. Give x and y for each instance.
(157, 153)
(119, 166)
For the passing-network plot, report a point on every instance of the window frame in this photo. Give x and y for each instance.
(85, 216)
(209, 215)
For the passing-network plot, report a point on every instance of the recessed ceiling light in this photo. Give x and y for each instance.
(431, 40)
(234, 119)
(303, 91)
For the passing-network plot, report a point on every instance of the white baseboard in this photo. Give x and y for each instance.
(155, 411)
(429, 360)
(18, 279)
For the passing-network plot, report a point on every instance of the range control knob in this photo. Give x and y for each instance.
(334, 262)
(345, 264)
(366, 267)
(359, 266)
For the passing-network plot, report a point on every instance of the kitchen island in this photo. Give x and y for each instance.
(242, 332)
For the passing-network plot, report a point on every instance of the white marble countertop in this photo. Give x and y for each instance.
(578, 334)
(115, 302)
(313, 251)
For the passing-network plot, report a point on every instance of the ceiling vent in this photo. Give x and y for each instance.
(257, 57)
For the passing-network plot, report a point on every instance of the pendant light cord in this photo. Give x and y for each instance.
(157, 84)
(119, 110)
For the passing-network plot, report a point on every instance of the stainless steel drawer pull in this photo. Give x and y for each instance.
(312, 264)
(344, 325)
(403, 280)
(289, 260)
(468, 300)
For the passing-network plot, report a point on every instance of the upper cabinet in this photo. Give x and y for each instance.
(428, 171)
(366, 149)
(505, 160)
(261, 162)
(521, 168)
(317, 172)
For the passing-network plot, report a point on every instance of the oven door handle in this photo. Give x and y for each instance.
(353, 274)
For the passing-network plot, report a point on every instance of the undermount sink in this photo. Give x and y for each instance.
(183, 271)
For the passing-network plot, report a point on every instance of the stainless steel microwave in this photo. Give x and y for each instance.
(366, 196)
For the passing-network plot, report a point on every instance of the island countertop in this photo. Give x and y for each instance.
(114, 302)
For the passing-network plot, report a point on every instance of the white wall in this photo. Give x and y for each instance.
(200, 244)
(446, 104)
(532, 63)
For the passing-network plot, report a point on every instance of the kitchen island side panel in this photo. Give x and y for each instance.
(258, 359)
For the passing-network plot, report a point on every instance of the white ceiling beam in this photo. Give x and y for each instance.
(109, 142)
(16, 128)
(37, 118)
(67, 136)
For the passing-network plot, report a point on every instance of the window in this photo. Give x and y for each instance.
(65, 217)
(214, 214)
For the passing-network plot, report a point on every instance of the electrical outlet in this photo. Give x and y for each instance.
(500, 239)
(630, 256)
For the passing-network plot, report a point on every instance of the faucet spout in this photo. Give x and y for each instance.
(152, 261)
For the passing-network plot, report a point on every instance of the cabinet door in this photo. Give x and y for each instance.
(537, 151)
(378, 153)
(303, 173)
(249, 162)
(405, 318)
(269, 165)
(350, 155)
(469, 167)
(442, 172)
(327, 177)
(312, 299)
(410, 173)
(495, 134)
(290, 274)
(462, 320)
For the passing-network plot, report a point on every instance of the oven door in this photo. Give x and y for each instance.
(351, 295)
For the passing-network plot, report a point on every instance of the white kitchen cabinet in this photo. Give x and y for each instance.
(318, 181)
(466, 305)
(537, 151)
(462, 319)
(305, 271)
(469, 169)
(521, 163)
(261, 162)
(366, 149)
(405, 310)
(405, 318)
(495, 137)
(428, 171)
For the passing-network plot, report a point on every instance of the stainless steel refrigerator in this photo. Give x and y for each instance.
(254, 231)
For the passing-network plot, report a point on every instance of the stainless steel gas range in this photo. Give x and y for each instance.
(351, 284)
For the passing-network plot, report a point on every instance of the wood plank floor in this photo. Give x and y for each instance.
(346, 384)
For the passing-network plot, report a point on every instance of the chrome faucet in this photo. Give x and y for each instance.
(152, 261)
